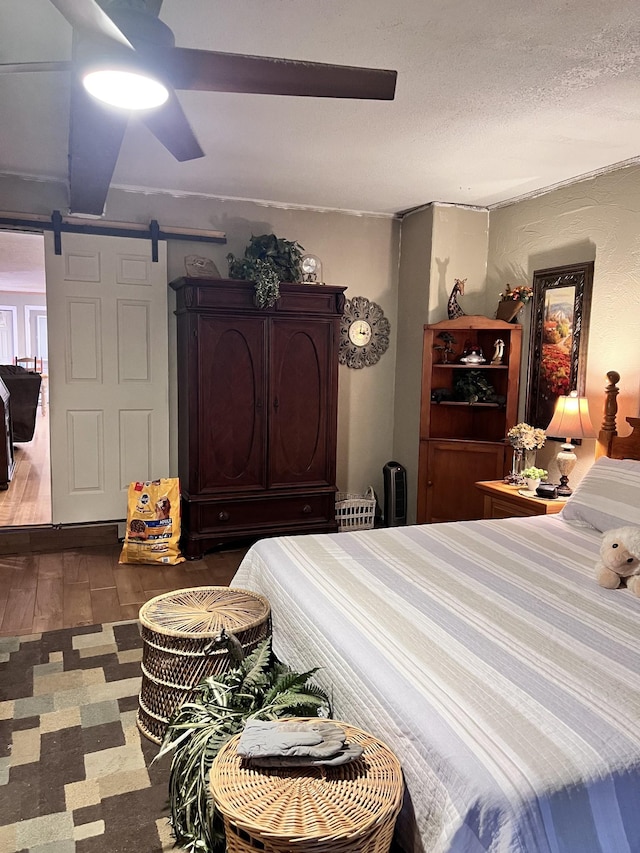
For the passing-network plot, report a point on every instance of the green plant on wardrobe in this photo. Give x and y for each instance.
(267, 261)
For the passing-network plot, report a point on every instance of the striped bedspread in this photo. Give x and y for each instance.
(485, 655)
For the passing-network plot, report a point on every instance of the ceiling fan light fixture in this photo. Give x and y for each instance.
(130, 90)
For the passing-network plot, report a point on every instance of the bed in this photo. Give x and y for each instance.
(486, 656)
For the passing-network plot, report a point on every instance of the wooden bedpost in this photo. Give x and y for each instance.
(608, 429)
(609, 442)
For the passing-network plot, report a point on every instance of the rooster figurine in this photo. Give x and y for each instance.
(453, 308)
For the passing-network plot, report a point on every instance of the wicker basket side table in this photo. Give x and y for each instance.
(351, 808)
(180, 631)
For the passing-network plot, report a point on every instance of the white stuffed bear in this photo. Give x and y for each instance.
(620, 559)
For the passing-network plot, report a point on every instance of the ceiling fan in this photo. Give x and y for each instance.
(128, 35)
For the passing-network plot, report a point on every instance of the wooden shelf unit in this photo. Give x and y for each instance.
(462, 442)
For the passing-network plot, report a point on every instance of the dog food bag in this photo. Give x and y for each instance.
(153, 523)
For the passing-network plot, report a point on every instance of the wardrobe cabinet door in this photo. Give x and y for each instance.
(301, 403)
(231, 400)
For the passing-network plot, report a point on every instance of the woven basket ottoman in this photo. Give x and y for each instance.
(180, 630)
(351, 808)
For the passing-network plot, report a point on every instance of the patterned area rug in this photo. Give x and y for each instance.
(75, 774)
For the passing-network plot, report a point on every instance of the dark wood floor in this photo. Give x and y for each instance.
(86, 586)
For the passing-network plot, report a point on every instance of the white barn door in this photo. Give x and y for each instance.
(108, 372)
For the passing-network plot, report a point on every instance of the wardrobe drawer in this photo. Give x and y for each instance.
(265, 512)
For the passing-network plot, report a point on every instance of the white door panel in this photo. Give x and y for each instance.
(108, 372)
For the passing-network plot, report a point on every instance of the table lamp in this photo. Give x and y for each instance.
(571, 419)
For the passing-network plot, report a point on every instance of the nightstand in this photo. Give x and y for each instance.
(504, 501)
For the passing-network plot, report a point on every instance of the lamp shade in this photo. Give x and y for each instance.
(571, 418)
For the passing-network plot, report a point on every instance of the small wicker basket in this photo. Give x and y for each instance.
(351, 808)
(355, 512)
(179, 631)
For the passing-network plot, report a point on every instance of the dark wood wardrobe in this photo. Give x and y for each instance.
(257, 410)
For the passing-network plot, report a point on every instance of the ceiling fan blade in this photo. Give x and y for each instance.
(87, 16)
(13, 67)
(169, 125)
(95, 136)
(211, 71)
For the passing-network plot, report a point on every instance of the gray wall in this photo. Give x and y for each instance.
(358, 251)
(440, 243)
(597, 220)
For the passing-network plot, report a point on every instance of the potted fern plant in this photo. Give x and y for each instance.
(267, 261)
(260, 687)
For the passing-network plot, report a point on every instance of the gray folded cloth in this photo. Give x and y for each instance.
(350, 752)
(265, 738)
(266, 743)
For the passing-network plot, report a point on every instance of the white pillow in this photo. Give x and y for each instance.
(607, 497)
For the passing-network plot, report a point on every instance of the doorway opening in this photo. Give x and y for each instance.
(24, 336)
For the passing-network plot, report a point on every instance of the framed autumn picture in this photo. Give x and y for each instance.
(559, 333)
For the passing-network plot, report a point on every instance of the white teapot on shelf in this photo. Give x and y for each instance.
(474, 357)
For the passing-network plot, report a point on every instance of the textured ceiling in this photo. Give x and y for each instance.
(495, 100)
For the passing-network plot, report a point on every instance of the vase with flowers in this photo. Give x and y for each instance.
(512, 300)
(525, 440)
